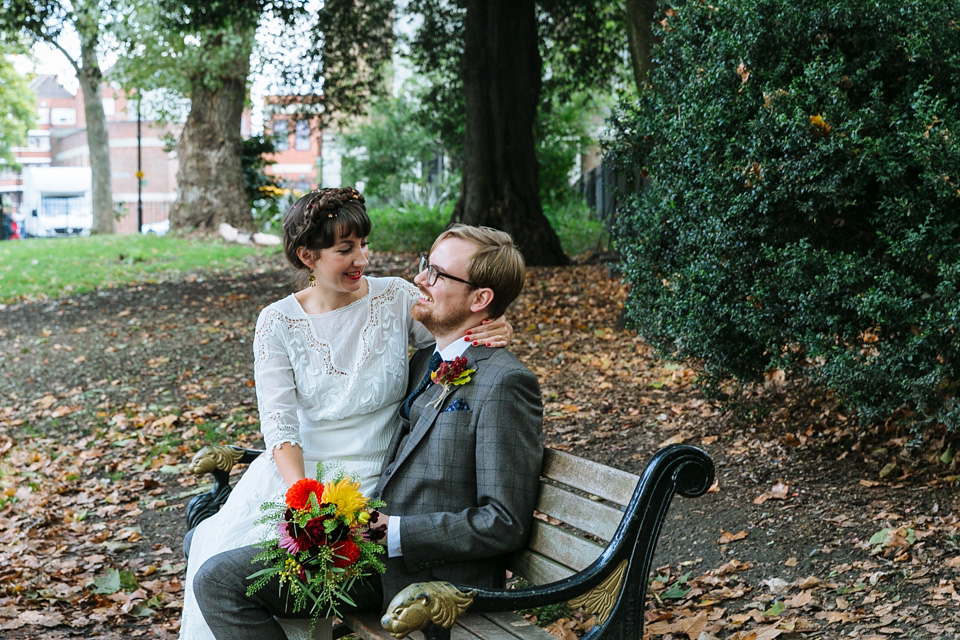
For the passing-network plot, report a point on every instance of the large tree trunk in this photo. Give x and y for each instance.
(98, 141)
(210, 176)
(640, 15)
(501, 77)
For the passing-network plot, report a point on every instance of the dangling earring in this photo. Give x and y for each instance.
(313, 279)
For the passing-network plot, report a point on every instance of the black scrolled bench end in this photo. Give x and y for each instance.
(613, 586)
(218, 460)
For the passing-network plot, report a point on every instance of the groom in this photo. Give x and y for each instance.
(461, 474)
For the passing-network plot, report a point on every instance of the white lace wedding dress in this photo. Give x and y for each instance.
(330, 383)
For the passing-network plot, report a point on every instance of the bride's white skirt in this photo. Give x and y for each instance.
(235, 526)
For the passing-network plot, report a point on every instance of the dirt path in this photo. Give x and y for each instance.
(812, 530)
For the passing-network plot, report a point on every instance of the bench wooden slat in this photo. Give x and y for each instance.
(472, 626)
(366, 625)
(537, 569)
(562, 546)
(492, 626)
(594, 478)
(593, 517)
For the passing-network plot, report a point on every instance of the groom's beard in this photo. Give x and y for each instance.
(438, 323)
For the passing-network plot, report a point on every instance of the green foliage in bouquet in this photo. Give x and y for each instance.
(802, 210)
(323, 544)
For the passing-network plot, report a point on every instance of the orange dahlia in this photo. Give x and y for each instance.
(298, 496)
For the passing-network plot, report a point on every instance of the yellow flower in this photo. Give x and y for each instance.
(346, 495)
(820, 124)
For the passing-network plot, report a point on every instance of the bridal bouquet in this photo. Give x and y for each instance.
(323, 545)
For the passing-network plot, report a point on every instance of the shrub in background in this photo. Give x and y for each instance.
(577, 225)
(411, 227)
(392, 155)
(804, 205)
(268, 200)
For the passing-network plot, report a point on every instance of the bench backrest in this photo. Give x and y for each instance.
(583, 495)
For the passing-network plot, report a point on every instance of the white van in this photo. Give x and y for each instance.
(56, 201)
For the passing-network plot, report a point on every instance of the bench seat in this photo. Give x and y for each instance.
(592, 545)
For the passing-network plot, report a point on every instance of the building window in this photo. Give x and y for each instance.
(62, 115)
(109, 107)
(302, 139)
(281, 135)
(38, 143)
(43, 115)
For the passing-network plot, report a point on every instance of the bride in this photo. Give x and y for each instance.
(330, 365)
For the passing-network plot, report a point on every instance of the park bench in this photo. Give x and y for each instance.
(592, 546)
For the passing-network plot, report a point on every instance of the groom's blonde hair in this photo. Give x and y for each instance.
(497, 263)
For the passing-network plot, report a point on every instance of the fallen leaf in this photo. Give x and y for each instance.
(727, 537)
(780, 491)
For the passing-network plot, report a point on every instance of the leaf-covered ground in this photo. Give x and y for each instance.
(816, 527)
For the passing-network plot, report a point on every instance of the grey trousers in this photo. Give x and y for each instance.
(221, 589)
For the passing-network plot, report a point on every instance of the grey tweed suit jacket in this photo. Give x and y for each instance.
(464, 476)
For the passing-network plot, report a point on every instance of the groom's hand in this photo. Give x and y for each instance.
(377, 527)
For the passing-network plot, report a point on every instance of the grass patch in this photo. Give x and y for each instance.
(39, 268)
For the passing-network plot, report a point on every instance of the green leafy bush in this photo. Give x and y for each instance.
(408, 228)
(577, 225)
(802, 211)
(268, 201)
(392, 154)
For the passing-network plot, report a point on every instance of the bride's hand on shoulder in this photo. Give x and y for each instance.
(491, 333)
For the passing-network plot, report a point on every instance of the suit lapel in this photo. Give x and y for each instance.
(429, 413)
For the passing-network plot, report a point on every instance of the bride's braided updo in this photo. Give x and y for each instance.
(321, 218)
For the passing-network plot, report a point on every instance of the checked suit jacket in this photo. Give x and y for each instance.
(464, 476)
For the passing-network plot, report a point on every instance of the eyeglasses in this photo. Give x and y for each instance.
(433, 273)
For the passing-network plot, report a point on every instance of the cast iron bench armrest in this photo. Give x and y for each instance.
(218, 460)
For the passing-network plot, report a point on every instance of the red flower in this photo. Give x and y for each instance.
(315, 531)
(449, 371)
(298, 496)
(345, 553)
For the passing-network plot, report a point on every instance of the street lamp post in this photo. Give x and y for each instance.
(139, 174)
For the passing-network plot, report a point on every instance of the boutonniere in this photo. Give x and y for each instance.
(450, 374)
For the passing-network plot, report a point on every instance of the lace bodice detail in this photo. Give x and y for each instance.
(317, 369)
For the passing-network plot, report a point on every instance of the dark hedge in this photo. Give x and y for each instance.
(803, 207)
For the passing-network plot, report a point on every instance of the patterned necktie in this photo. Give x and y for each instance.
(435, 361)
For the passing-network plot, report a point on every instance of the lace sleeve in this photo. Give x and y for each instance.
(276, 387)
(419, 336)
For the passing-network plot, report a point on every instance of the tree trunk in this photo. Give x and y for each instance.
(640, 15)
(98, 140)
(501, 76)
(210, 177)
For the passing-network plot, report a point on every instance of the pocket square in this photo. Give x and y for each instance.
(458, 405)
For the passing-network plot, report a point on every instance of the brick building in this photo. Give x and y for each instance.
(60, 140)
(307, 157)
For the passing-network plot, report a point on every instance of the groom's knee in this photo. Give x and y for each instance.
(215, 583)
